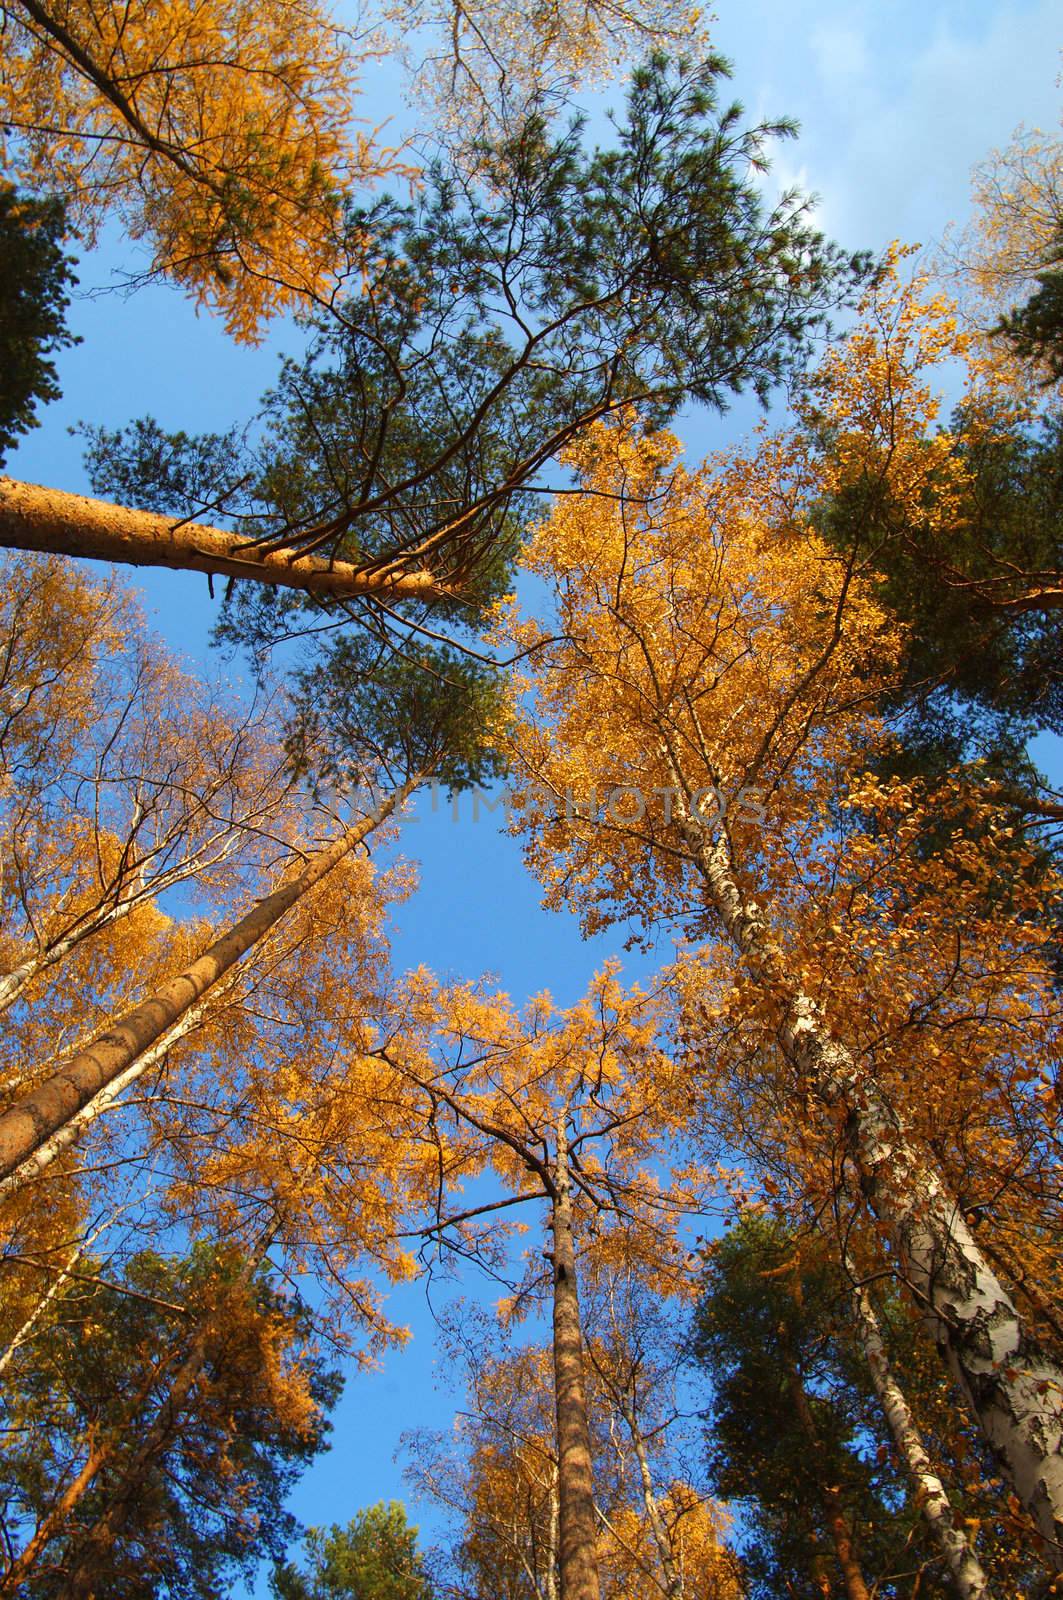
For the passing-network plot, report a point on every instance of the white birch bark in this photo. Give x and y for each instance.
(1014, 1389)
(963, 1565)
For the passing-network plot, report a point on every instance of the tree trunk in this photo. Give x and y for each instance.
(830, 1495)
(1015, 1392)
(39, 1115)
(964, 1567)
(673, 1582)
(15, 981)
(71, 1131)
(578, 1561)
(50, 520)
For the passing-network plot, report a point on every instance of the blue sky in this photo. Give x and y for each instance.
(897, 101)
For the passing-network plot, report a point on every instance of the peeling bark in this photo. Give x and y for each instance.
(1014, 1388)
(963, 1565)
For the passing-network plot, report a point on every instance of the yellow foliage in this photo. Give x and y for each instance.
(218, 131)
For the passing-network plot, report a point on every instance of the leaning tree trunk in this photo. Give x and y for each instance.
(35, 1119)
(578, 1558)
(49, 520)
(72, 1130)
(964, 1567)
(1015, 1391)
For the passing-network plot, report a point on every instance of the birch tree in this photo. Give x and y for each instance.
(122, 776)
(735, 664)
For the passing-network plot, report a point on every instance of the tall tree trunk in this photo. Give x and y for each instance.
(35, 518)
(40, 1114)
(837, 1522)
(578, 1561)
(16, 980)
(71, 1131)
(964, 1567)
(662, 1538)
(1015, 1391)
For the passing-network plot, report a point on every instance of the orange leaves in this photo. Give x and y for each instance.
(704, 647)
(218, 130)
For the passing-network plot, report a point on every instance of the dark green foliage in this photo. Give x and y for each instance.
(534, 288)
(209, 1505)
(34, 278)
(374, 1557)
(981, 672)
(762, 1327)
(369, 713)
(527, 292)
(1035, 330)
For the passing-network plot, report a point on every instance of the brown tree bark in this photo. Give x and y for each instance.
(39, 1115)
(578, 1560)
(36, 518)
(834, 1516)
(41, 1159)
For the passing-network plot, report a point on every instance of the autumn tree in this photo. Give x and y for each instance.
(567, 1108)
(410, 723)
(496, 1474)
(664, 1533)
(1007, 254)
(375, 1557)
(482, 64)
(734, 662)
(220, 135)
(123, 776)
(97, 1378)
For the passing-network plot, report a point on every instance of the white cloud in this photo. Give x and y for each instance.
(897, 99)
